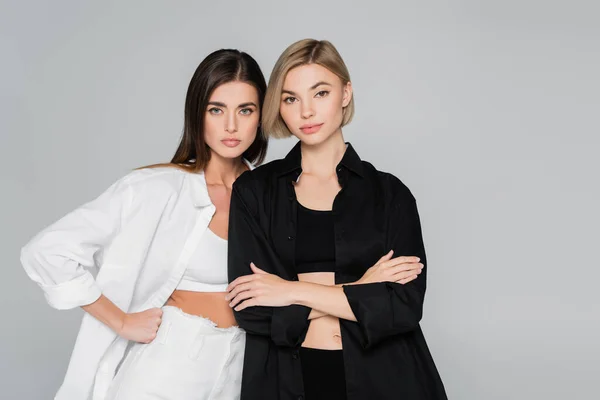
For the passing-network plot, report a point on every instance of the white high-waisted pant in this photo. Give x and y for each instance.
(190, 359)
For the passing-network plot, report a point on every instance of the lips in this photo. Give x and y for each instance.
(231, 142)
(310, 128)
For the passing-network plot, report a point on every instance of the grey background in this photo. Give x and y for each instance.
(488, 111)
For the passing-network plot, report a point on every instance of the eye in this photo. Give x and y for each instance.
(246, 111)
(215, 111)
(322, 93)
(290, 100)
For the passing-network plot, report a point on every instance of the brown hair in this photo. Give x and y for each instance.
(219, 67)
(303, 52)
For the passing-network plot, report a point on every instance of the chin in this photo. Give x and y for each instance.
(314, 139)
(227, 152)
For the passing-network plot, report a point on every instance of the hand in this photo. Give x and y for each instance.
(400, 270)
(141, 326)
(259, 289)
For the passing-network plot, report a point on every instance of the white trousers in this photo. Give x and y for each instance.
(190, 359)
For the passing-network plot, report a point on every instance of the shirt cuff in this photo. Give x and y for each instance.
(289, 325)
(77, 292)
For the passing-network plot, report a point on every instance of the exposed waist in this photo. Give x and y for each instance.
(324, 333)
(212, 306)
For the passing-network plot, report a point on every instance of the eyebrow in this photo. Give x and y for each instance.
(316, 85)
(219, 104)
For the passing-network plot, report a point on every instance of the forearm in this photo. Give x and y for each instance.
(315, 314)
(326, 300)
(106, 312)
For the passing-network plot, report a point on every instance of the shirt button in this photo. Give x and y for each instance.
(295, 355)
(290, 238)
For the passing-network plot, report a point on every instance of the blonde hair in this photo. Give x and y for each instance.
(303, 52)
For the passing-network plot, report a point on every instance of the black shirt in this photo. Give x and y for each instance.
(385, 353)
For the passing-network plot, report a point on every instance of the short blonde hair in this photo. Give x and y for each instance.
(303, 52)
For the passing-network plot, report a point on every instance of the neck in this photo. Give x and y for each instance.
(323, 158)
(223, 171)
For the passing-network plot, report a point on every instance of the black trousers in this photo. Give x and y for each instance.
(323, 374)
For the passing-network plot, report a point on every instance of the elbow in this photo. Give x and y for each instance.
(252, 324)
(27, 254)
(375, 332)
(30, 254)
(409, 320)
(287, 337)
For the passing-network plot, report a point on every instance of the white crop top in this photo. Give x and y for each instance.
(207, 268)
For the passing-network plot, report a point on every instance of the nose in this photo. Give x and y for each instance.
(231, 123)
(307, 110)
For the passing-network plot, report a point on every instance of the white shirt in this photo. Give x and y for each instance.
(140, 233)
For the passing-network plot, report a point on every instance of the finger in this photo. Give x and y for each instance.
(150, 338)
(240, 280)
(256, 270)
(400, 260)
(241, 297)
(386, 257)
(404, 269)
(410, 267)
(402, 275)
(155, 312)
(402, 264)
(246, 304)
(406, 280)
(239, 289)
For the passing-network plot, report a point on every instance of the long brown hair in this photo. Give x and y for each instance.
(219, 67)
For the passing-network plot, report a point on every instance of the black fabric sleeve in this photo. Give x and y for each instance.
(386, 309)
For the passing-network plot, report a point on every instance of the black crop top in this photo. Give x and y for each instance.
(315, 241)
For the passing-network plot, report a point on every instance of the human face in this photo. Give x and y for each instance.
(231, 120)
(312, 103)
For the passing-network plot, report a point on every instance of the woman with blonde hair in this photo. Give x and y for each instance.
(329, 314)
(157, 324)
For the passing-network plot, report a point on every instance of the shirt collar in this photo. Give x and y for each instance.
(293, 161)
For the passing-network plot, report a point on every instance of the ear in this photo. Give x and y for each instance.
(347, 94)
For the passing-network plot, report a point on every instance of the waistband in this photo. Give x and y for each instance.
(176, 318)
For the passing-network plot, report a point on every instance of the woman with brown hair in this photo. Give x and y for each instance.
(156, 311)
(326, 316)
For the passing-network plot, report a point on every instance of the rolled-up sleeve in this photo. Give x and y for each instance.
(386, 309)
(58, 258)
(286, 326)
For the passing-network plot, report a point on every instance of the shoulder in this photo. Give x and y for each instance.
(154, 182)
(390, 185)
(260, 177)
(252, 188)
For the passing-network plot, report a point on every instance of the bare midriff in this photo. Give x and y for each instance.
(203, 304)
(324, 332)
